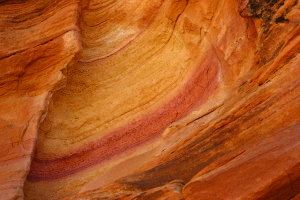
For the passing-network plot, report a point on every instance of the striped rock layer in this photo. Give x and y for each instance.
(162, 99)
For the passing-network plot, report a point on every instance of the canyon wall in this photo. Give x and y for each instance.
(162, 99)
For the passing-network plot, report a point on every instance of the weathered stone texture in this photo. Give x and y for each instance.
(162, 99)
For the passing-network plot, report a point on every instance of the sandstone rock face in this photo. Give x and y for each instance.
(163, 99)
(36, 44)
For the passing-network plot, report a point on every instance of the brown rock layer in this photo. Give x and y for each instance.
(164, 99)
(33, 54)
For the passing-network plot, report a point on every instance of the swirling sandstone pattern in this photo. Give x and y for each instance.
(36, 44)
(162, 99)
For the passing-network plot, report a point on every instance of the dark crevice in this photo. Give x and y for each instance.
(281, 19)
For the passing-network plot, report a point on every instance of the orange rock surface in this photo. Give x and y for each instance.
(162, 99)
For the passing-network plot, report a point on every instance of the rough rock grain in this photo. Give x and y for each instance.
(163, 99)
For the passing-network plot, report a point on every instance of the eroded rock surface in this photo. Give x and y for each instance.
(164, 99)
(36, 44)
